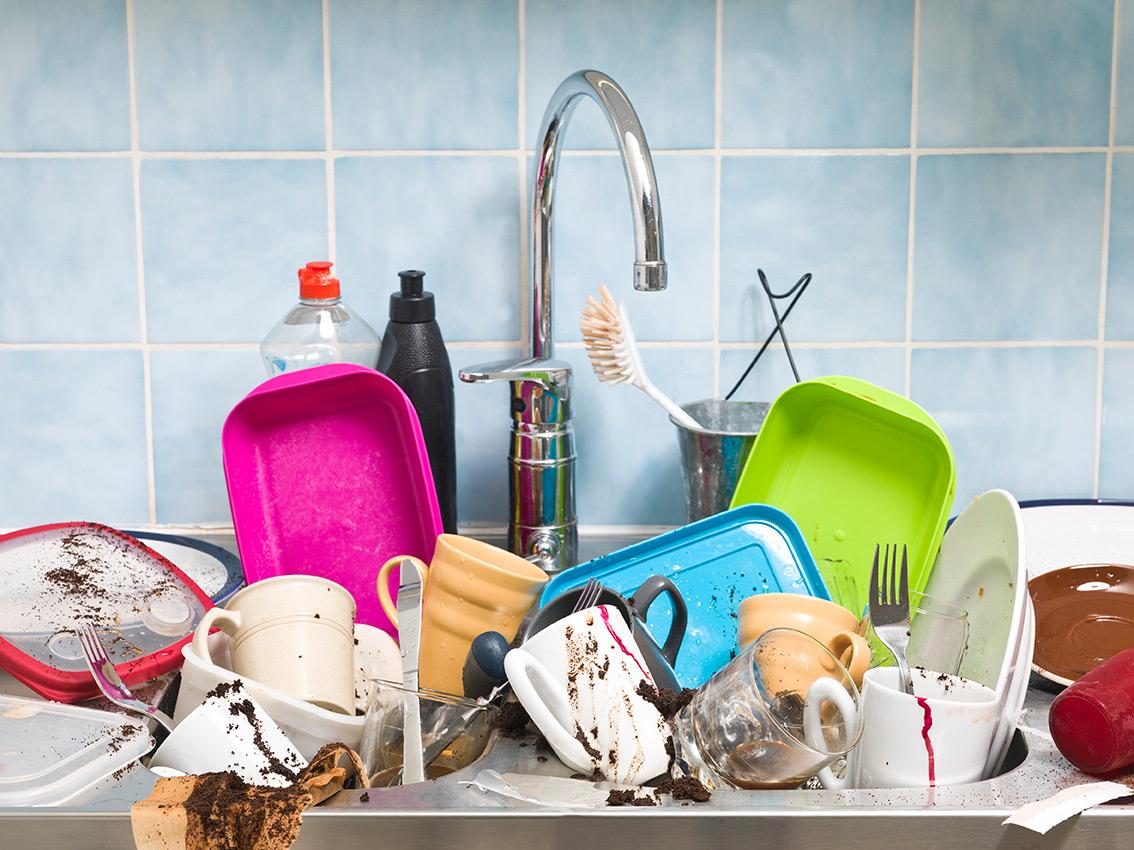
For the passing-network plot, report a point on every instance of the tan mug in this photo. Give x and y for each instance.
(292, 633)
(830, 624)
(469, 588)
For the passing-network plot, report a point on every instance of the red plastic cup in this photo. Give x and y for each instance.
(1092, 722)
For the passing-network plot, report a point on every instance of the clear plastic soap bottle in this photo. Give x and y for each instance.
(319, 329)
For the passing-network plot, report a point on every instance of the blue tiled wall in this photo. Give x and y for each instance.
(957, 174)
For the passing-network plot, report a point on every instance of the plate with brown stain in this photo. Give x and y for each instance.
(1084, 615)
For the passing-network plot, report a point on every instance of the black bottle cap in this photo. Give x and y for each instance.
(413, 304)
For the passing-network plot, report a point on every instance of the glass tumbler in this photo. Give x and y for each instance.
(939, 636)
(454, 731)
(745, 727)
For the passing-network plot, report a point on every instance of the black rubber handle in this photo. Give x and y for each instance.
(484, 666)
(644, 597)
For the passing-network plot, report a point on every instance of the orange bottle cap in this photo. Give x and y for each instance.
(315, 281)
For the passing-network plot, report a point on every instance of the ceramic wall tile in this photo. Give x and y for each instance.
(660, 51)
(74, 437)
(1022, 419)
(594, 244)
(64, 87)
(424, 74)
(1008, 246)
(222, 75)
(1120, 271)
(457, 218)
(193, 392)
(1124, 100)
(223, 241)
(1116, 469)
(842, 218)
(389, 134)
(1015, 72)
(67, 239)
(817, 74)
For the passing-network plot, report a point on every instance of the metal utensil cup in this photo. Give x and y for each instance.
(713, 455)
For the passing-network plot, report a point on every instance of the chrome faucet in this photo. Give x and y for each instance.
(542, 521)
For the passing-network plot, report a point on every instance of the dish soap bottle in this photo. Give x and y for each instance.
(413, 354)
(319, 329)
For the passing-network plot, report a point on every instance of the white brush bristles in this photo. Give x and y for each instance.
(605, 339)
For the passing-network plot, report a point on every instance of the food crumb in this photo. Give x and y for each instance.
(628, 797)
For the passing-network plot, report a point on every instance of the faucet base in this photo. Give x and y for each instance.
(553, 548)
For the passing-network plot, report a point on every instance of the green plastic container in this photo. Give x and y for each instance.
(854, 465)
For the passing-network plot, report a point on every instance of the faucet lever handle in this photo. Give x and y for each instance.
(553, 375)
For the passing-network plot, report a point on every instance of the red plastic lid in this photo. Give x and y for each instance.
(1082, 732)
(315, 281)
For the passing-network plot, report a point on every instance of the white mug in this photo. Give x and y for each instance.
(578, 679)
(230, 732)
(293, 633)
(940, 739)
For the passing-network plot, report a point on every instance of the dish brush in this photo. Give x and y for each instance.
(613, 351)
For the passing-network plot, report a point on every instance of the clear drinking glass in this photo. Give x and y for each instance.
(745, 726)
(939, 636)
(454, 731)
(939, 630)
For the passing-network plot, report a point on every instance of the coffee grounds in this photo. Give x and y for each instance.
(628, 798)
(588, 747)
(685, 788)
(248, 711)
(223, 689)
(232, 815)
(671, 752)
(790, 706)
(512, 720)
(667, 702)
(120, 736)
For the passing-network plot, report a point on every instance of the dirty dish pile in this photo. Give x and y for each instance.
(722, 654)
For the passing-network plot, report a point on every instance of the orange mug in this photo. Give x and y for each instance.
(830, 624)
(470, 587)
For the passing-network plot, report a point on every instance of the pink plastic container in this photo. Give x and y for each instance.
(328, 475)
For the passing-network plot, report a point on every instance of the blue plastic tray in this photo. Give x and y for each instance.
(716, 563)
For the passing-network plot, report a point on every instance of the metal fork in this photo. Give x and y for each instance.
(108, 680)
(890, 608)
(592, 590)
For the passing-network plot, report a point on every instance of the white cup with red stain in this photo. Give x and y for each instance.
(938, 736)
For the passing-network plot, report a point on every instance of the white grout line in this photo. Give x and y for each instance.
(718, 113)
(915, 91)
(140, 267)
(675, 343)
(1104, 265)
(328, 132)
(573, 152)
(522, 170)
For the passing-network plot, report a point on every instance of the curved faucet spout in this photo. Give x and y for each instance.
(649, 262)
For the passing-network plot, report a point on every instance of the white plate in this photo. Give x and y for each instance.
(1017, 692)
(981, 568)
(1066, 535)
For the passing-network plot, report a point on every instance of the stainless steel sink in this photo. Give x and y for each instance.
(447, 814)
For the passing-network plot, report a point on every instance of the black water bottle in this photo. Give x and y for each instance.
(413, 354)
